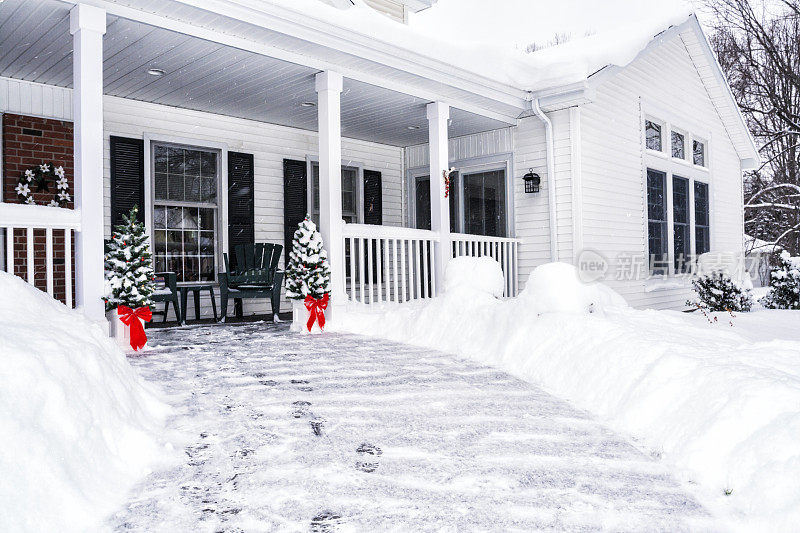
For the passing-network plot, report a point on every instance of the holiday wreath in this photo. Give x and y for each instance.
(39, 177)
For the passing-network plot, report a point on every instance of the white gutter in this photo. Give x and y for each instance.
(551, 178)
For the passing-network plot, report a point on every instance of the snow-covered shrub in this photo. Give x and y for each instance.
(718, 292)
(557, 288)
(481, 274)
(79, 426)
(308, 271)
(784, 284)
(129, 265)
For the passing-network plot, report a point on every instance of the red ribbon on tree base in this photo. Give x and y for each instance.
(130, 317)
(316, 310)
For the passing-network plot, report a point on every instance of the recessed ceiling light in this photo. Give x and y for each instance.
(308, 104)
(155, 72)
(413, 127)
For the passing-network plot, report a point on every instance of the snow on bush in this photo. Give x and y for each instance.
(718, 292)
(784, 284)
(723, 410)
(79, 426)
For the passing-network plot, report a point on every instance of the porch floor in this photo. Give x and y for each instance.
(344, 433)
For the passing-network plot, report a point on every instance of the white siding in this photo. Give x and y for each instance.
(467, 147)
(27, 98)
(269, 143)
(614, 208)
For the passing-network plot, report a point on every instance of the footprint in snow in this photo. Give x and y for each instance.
(325, 522)
(300, 408)
(303, 385)
(369, 454)
(316, 425)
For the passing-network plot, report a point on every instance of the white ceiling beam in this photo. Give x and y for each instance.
(508, 116)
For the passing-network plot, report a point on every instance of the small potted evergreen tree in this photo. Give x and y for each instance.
(308, 278)
(129, 280)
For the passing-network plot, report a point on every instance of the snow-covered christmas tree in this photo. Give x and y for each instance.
(784, 284)
(308, 271)
(129, 266)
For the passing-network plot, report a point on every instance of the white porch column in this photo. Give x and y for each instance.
(87, 26)
(329, 90)
(438, 114)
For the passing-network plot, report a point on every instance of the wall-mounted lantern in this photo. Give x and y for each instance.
(532, 182)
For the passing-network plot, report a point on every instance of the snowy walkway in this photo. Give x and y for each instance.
(344, 433)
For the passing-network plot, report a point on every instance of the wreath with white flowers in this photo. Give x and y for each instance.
(38, 177)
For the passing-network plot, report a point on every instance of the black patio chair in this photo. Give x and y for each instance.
(254, 275)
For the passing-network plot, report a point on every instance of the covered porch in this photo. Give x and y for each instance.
(195, 84)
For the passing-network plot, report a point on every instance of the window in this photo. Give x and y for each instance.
(678, 145)
(680, 223)
(422, 202)
(699, 153)
(657, 221)
(350, 194)
(484, 203)
(652, 135)
(185, 211)
(702, 222)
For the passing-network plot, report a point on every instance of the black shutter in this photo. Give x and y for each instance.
(373, 198)
(294, 200)
(127, 178)
(240, 200)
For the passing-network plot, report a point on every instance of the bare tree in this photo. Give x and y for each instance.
(758, 45)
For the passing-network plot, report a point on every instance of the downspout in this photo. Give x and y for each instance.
(551, 177)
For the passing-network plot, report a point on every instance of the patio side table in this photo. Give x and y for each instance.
(196, 293)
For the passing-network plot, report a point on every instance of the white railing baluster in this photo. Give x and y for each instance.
(404, 296)
(29, 242)
(378, 268)
(370, 273)
(386, 279)
(361, 269)
(394, 271)
(10, 249)
(418, 264)
(48, 262)
(352, 242)
(426, 282)
(68, 266)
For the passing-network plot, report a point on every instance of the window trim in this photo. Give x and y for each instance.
(502, 161)
(221, 240)
(311, 160)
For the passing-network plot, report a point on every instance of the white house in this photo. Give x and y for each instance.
(228, 120)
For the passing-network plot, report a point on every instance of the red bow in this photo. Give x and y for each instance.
(130, 317)
(316, 310)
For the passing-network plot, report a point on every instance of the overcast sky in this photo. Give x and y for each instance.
(520, 22)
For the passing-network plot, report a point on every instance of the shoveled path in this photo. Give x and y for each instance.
(346, 433)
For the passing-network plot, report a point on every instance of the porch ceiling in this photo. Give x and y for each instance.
(35, 45)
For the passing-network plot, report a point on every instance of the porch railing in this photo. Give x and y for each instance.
(504, 250)
(388, 263)
(34, 236)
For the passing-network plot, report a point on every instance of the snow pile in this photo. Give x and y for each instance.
(474, 274)
(495, 57)
(722, 409)
(79, 425)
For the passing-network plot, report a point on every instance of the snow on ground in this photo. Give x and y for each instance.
(720, 403)
(78, 426)
(339, 432)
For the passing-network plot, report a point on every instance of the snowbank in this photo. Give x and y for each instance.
(79, 426)
(724, 410)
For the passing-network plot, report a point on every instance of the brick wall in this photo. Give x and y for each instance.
(27, 142)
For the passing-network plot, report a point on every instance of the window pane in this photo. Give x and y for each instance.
(160, 159)
(192, 189)
(208, 164)
(206, 242)
(190, 239)
(174, 217)
(680, 217)
(678, 145)
(160, 185)
(702, 219)
(652, 135)
(175, 190)
(699, 150)
(174, 243)
(175, 161)
(191, 162)
(190, 217)
(175, 264)
(423, 203)
(208, 193)
(160, 238)
(657, 221)
(207, 268)
(207, 218)
(160, 263)
(159, 217)
(191, 268)
(484, 203)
